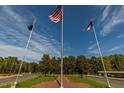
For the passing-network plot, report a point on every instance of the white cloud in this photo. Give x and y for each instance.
(105, 13)
(111, 18)
(14, 34)
(7, 50)
(95, 51)
(120, 36)
(115, 48)
(93, 46)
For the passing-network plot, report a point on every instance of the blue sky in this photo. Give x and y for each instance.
(47, 35)
(108, 24)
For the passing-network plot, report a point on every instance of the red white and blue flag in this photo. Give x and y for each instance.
(89, 26)
(56, 16)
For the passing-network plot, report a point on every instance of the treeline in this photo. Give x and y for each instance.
(72, 65)
(82, 65)
(12, 64)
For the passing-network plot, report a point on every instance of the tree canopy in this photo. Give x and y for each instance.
(72, 64)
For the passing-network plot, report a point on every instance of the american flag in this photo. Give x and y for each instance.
(56, 15)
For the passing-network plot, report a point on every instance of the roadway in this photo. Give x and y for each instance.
(114, 82)
(12, 79)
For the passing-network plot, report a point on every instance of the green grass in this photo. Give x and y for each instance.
(5, 86)
(92, 83)
(30, 82)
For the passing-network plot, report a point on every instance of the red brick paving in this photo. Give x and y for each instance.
(50, 84)
(69, 84)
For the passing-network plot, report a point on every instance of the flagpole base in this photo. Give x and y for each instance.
(14, 85)
(61, 87)
(108, 86)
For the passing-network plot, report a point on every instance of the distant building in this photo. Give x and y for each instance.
(118, 74)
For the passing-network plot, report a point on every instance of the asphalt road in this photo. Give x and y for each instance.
(12, 79)
(113, 82)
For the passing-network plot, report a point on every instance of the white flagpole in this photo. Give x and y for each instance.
(101, 56)
(15, 83)
(62, 47)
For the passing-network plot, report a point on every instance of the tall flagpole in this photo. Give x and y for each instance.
(15, 83)
(62, 47)
(101, 56)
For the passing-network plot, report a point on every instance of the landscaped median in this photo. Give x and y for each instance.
(30, 82)
(91, 83)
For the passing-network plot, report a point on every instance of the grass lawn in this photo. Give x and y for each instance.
(5, 86)
(92, 83)
(28, 83)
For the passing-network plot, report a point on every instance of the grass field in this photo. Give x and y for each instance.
(6, 86)
(92, 83)
(28, 83)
